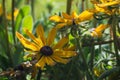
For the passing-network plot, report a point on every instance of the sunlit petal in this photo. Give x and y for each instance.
(74, 14)
(36, 40)
(27, 43)
(56, 18)
(66, 16)
(85, 15)
(40, 33)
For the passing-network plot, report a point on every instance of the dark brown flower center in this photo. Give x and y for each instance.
(46, 51)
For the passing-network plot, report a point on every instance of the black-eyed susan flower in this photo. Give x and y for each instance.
(103, 6)
(73, 19)
(97, 32)
(46, 51)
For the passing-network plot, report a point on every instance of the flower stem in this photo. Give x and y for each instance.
(68, 8)
(13, 27)
(39, 75)
(6, 33)
(32, 7)
(114, 23)
(89, 76)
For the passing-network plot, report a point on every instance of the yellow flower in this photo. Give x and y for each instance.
(9, 15)
(73, 19)
(106, 3)
(97, 32)
(103, 5)
(46, 51)
(1, 10)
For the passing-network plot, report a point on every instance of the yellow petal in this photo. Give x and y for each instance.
(59, 59)
(27, 43)
(41, 62)
(70, 48)
(37, 41)
(51, 36)
(65, 54)
(109, 4)
(49, 61)
(40, 33)
(85, 15)
(61, 43)
(66, 16)
(100, 28)
(60, 25)
(56, 18)
(74, 15)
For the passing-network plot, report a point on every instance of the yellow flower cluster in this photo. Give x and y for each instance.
(9, 15)
(44, 49)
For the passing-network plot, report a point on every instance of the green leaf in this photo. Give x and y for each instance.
(24, 11)
(27, 23)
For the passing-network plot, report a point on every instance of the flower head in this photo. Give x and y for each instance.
(73, 19)
(104, 6)
(46, 52)
(97, 32)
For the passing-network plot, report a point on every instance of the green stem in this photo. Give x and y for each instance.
(92, 57)
(32, 7)
(13, 27)
(78, 43)
(68, 8)
(39, 75)
(6, 33)
(114, 23)
(82, 6)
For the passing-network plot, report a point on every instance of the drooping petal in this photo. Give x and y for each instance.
(51, 36)
(59, 59)
(60, 25)
(41, 62)
(85, 15)
(66, 16)
(27, 43)
(100, 28)
(65, 54)
(70, 48)
(61, 43)
(56, 18)
(40, 33)
(36, 40)
(49, 61)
